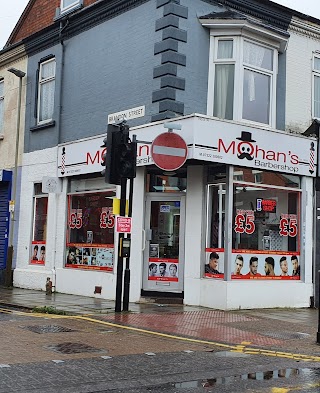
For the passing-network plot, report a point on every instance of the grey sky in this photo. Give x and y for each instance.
(11, 10)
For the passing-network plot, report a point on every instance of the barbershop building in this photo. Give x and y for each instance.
(243, 192)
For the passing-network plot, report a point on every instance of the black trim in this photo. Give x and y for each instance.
(39, 127)
(46, 58)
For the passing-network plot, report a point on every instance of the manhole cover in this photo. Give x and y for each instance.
(47, 329)
(286, 335)
(67, 348)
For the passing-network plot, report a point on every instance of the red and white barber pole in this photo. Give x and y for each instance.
(169, 151)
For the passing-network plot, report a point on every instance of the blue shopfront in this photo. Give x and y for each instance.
(5, 193)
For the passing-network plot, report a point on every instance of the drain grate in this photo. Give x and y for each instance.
(69, 348)
(40, 329)
(286, 335)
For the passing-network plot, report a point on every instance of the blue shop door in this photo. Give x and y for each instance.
(4, 222)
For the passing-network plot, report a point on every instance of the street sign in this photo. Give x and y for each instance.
(169, 151)
(127, 114)
(123, 224)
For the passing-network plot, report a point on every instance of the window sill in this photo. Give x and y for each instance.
(1, 137)
(51, 123)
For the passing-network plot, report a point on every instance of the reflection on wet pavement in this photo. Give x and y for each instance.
(287, 373)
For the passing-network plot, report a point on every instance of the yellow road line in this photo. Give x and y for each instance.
(233, 348)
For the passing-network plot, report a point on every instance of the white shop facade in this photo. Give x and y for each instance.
(243, 198)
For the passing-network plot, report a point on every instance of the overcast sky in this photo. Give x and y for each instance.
(11, 10)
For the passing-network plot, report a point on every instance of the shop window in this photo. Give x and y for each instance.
(40, 211)
(166, 183)
(266, 227)
(46, 90)
(215, 222)
(90, 231)
(316, 87)
(1, 104)
(242, 79)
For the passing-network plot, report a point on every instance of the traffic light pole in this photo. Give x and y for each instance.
(127, 270)
(123, 194)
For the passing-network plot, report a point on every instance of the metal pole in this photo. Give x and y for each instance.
(14, 191)
(127, 270)
(318, 332)
(123, 195)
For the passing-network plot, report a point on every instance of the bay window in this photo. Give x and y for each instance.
(316, 87)
(242, 77)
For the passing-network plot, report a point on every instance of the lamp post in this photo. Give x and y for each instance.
(20, 74)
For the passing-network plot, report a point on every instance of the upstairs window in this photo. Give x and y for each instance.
(46, 89)
(242, 79)
(316, 87)
(66, 5)
(1, 104)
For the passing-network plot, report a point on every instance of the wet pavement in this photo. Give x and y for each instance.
(154, 348)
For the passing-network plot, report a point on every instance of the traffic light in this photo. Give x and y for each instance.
(121, 154)
(127, 158)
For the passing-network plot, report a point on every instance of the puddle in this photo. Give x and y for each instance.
(228, 354)
(287, 373)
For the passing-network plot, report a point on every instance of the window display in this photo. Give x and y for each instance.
(38, 245)
(266, 227)
(90, 235)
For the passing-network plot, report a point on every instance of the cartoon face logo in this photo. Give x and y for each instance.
(245, 148)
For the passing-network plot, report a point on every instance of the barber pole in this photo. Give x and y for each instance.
(311, 164)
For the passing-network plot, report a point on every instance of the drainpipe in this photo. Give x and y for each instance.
(63, 26)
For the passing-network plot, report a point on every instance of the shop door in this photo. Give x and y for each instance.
(163, 268)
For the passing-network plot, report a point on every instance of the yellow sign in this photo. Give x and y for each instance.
(116, 206)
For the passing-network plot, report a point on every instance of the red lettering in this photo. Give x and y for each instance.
(294, 159)
(262, 151)
(96, 157)
(143, 147)
(226, 150)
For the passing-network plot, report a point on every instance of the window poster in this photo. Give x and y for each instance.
(90, 240)
(214, 263)
(162, 269)
(38, 255)
(38, 244)
(264, 265)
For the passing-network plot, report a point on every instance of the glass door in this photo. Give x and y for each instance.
(164, 244)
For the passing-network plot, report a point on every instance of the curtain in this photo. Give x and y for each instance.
(223, 91)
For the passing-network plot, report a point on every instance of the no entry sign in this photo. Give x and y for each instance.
(169, 151)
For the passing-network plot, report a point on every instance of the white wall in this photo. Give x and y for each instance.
(299, 80)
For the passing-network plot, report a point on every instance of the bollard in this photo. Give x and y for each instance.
(48, 286)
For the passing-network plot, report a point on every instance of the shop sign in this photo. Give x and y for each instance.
(124, 224)
(209, 140)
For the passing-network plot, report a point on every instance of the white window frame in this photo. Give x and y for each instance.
(64, 8)
(2, 106)
(42, 82)
(315, 73)
(239, 37)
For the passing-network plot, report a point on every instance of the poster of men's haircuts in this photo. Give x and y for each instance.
(38, 253)
(264, 265)
(214, 266)
(163, 269)
(85, 256)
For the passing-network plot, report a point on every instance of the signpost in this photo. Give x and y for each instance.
(169, 151)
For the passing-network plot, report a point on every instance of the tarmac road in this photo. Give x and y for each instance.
(109, 353)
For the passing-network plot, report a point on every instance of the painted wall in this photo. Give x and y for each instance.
(299, 80)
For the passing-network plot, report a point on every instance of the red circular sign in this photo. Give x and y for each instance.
(169, 151)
